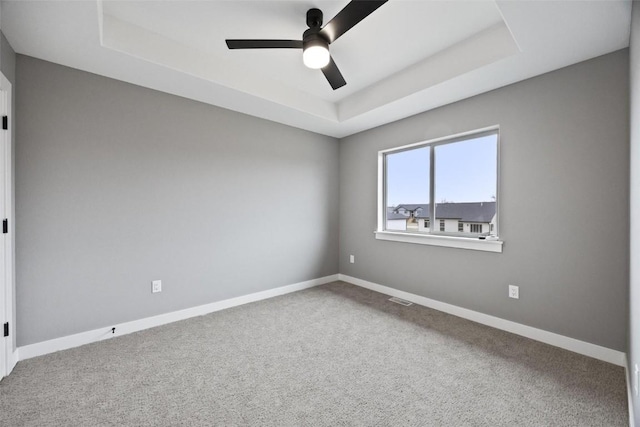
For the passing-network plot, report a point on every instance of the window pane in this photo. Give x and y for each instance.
(408, 190)
(466, 185)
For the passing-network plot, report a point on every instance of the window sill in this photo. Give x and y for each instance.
(446, 241)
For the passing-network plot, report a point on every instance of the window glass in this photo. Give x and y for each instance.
(464, 190)
(408, 178)
(466, 181)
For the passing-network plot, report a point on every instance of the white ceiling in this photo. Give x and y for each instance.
(405, 58)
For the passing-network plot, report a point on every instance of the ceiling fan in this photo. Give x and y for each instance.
(316, 40)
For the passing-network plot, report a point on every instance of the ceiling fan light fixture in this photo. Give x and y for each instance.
(315, 57)
(315, 53)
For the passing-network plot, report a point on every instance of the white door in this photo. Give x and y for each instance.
(8, 357)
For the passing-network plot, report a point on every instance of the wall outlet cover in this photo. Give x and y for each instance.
(514, 292)
(156, 286)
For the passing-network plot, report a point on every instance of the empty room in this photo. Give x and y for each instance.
(320, 213)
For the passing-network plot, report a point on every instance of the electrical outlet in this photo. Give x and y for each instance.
(156, 286)
(514, 292)
(636, 378)
(352, 259)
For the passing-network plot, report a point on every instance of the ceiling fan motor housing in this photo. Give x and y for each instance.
(311, 37)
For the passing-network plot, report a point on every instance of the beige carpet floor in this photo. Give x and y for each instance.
(335, 355)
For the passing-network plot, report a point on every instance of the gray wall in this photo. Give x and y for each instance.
(7, 59)
(633, 355)
(564, 205)
(118, 185)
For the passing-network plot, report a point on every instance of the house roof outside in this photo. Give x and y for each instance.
(467, 211)
(413, 207)
(392, 214)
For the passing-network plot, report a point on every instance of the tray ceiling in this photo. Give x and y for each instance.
(405, 58)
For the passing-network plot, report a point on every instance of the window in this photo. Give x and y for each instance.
(450, 180)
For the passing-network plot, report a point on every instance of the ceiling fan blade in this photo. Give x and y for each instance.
(333, 75)
(264, 44)
(348, 17)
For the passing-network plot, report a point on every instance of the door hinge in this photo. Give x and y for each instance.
(6, 329)
(5, 226)
(5, 122)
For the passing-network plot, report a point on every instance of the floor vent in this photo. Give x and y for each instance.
(401, 301)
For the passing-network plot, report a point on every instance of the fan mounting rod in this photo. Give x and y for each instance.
(314, 18)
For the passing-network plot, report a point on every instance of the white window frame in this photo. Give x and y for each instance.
(491, 244)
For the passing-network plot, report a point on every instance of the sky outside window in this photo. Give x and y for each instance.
(408, 177)
(465, 171)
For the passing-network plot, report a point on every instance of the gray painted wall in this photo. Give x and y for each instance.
(118, 185)
(564, 164)
(633, 352)
(7, 59)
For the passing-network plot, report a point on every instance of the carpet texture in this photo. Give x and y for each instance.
(334, 355)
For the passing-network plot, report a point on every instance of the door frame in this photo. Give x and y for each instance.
(8, 353)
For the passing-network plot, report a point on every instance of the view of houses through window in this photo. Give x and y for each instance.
(459, 177)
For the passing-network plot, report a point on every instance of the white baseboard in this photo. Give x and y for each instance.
(571, 344)
(76, 340)
(629, 381)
